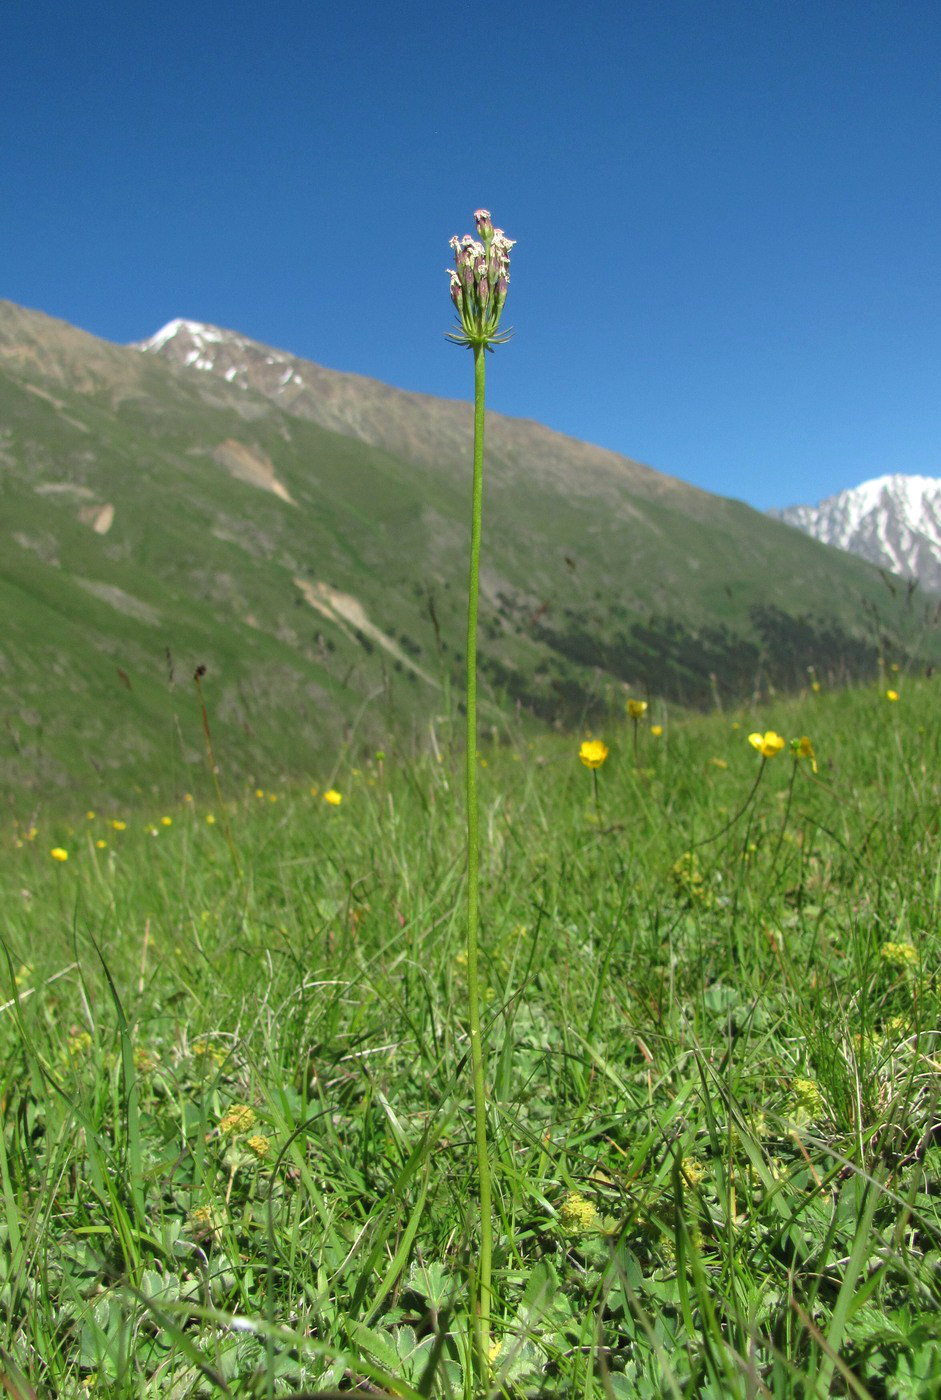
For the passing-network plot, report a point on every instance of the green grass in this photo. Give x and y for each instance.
(713, 1073)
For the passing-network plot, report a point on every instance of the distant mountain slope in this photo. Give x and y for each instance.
(307, 542)
(893, 521)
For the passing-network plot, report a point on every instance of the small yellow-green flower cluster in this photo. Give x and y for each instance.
(145, 1061)
(806, 1100)
(240, 1118)
(206, 1049)
(203, 1220)
(903, 955)
(688, 881)
(259, 1145)
(577, 1215)
(693, 1170)
(636, 709)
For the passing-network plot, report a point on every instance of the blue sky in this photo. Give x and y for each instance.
(728, 215)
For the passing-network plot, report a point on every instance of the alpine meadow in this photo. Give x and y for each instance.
(470, 902)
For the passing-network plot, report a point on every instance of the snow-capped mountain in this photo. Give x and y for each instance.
(893, 521)
(234, 357)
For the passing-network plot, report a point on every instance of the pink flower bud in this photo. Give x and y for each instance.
(484, 226)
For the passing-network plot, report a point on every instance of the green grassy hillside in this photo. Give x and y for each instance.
(156, 517)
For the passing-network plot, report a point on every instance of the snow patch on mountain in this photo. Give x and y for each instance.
(240, 361)
(893, 521)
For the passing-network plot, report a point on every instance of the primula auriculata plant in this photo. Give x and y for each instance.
(479, 281)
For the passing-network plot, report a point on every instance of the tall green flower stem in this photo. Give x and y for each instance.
(473, 878)
(479, 281)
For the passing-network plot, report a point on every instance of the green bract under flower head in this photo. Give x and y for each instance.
(479, 281)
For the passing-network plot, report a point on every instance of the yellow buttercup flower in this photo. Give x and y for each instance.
(767, 744)
(656, 730)
(636, 708)
(59, 853)
(333, 797)
(118, 825)
(593, 753)
(892, 695)
(803, 748)
(166, 821)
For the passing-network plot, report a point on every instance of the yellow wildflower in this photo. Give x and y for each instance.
(101, 844)
(118, 825)
(576, 1215)
(259, 792)
(187, 797)
(892, 695)
(166, 821)
(593, 753)
(803, 748)
(203, 1221)
(636, 708)
(806, 1100)
(333, 797)
(240, 1118)
(59, 853)
(90, 816)
(693, 1170)
(210, 819)
(314, 790)
(78, 1042)
(767, 744)
(145, 1061)
(656, 730)
(899, 954)
(259, 1145)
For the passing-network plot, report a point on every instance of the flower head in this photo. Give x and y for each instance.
(899, 954)
(479, 281)
(805, 1101)
(576, 1214)
(803, 748)
(240, 1118)
(656, 730)
(636, 708)
(333, 797)
(767, 744)
(892, 695)
(59, 853)
(593, 753)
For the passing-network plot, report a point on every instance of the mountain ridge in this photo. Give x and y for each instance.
(157, 516)
(893, 521)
